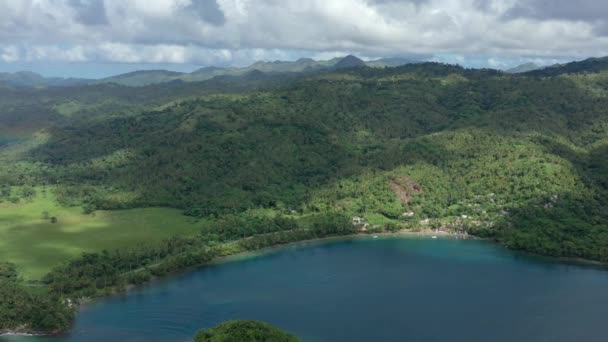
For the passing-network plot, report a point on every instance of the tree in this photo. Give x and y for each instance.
(242, 330)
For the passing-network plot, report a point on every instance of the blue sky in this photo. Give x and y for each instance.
(98, 38)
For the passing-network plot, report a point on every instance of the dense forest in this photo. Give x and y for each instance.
(499, 148)
(30, 309)
(522, 159)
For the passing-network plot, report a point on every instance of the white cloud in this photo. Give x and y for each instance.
(239, 31)
(9, 54)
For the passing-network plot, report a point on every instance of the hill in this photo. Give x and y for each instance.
(390, 62)
(148, 77)
(590, 65)
(31, 79)
(142, 78)
(349, 61)
(289, 145)
(523, 68)
(302, 65)
(26, 79)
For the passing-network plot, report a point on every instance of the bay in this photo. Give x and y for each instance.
(366, 289)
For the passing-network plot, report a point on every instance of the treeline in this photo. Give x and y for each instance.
(95, 274)
(573, 226)
(25, 308)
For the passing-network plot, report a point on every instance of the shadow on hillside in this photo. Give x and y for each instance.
(591, 166)
(213, 156)
(570, 226)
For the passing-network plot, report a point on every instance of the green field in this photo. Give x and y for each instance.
(35, 245)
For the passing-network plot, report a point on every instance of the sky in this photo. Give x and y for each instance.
(98, 38)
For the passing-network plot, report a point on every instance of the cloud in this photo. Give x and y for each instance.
(208, 10)
(593, 12)
(584, 10)
(239, 31)
(9, 54)
(89, 12)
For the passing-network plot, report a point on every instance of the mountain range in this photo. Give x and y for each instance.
(303, 65)
(147, 77)
(22, 79)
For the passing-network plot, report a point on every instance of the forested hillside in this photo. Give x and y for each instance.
(519, 158)
(498, 147)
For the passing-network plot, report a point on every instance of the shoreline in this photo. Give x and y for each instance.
(427, 234)
(404, 233)
(423, 234)
(25, 332)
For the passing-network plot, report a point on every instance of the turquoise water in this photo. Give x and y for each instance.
(386, 289)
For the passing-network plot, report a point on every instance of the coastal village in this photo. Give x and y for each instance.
(432, 227)
(459, 225)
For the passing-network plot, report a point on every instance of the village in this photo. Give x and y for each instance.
(456, 227)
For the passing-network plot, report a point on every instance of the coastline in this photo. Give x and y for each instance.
(228, 258)
(84, 301)
(422, 234)
(25, 332)
(426, 234)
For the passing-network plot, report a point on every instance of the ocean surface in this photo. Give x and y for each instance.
(366, 289)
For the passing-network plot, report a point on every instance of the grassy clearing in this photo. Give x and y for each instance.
(31, 241)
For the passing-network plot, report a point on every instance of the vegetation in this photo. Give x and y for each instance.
(590, 65)
(23, 308)
(272, 159)
(37, 233)
(237, 331)
(479, 143)
(106, 272)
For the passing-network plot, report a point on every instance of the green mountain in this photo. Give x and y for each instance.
(483, 145)
(523, 68)
(142, 78)
(590, 65)
(31, 79)
(390, 62)
(148, 77)
(349, 61)
(302, 65)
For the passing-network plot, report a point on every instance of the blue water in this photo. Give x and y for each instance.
(386, 289)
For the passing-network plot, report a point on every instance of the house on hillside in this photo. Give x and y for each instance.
(360, 223)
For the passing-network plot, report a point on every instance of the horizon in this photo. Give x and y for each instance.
(114, 69)
(101, 38)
